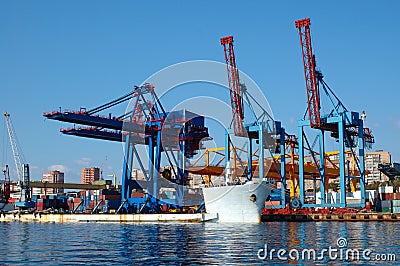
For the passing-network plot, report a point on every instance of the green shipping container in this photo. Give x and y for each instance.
(385, 209)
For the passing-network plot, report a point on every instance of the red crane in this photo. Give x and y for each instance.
(234, 86)
(310, 72)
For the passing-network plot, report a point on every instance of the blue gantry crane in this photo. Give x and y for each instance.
(169, 139)
(174, 136)
(345, 126)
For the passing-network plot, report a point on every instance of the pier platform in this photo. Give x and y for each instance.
(345, 217)
(107, 218)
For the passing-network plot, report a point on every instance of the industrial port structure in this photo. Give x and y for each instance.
(171, 138)
(343, 125)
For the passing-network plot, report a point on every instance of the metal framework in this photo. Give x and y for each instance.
(344, 126)
(310, 73)
(264, 135)
(235, 88)
(21, 166)
(175, 136)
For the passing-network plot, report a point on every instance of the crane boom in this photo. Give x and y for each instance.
(21, 167)
(310, 73)
(234, 86)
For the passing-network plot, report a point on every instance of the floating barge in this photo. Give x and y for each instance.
(345, 217)
(107, 218)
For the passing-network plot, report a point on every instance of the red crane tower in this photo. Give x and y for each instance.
(310, 73)
(236, 92)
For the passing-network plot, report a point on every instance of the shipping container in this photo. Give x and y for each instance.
(396, 203)
(138, 195)
(387, 196)
(387, 189)
(396, 209)
(114, 204)
(272, 203)
(396, 196)
(109, 192)
(386, 203)
(77, 200)
(111, 197)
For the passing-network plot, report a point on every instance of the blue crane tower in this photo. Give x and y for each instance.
(169, 138)
(345, 126)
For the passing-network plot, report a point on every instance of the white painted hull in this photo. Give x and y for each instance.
(234, 203)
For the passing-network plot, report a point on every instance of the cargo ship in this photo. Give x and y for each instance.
(240, 203)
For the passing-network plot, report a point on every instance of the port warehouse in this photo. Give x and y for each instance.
(344, 126)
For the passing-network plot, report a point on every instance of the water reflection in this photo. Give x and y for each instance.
(177, 244)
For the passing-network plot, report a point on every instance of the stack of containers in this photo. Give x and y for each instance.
(386, 193)
(274, 198)
(112, 199)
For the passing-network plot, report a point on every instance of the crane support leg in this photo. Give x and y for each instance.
(342, 177)
(323, 181)
(261, 151)
(301, 162)
(283, 166)
(361, 161)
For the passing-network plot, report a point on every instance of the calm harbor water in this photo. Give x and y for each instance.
(188, 244)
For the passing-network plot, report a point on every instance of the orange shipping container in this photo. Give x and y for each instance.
(396, 196)
(272, 203)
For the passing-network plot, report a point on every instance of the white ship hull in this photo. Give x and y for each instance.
(237, 203)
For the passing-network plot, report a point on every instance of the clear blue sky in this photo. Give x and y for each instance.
(83, 53)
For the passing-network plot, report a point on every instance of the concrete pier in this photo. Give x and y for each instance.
(107, 218)
(354, 217)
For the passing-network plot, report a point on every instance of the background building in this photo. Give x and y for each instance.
(88, 175)
(53, 177)
(372, 159)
